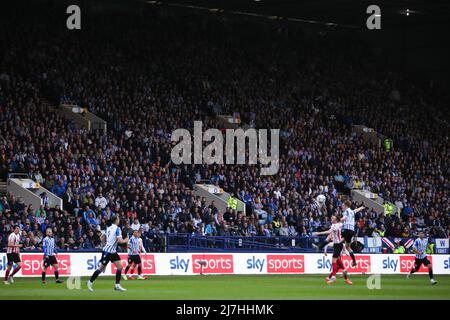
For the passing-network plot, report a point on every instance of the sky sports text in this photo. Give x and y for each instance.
(179, 264)
(83, 263)
(147, 263)
(363, 263)
(221, 263)
(32, 265)
(204, 264)
(277, 264)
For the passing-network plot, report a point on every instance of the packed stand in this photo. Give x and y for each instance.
(147, 77)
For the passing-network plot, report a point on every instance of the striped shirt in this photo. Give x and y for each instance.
(315, 208)
(15, 239)
(49, 246)
(134, 246)
(112, 234)
(349, 223)
(421, 246)
(336, 235)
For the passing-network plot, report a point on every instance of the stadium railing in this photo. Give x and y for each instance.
(189, 242)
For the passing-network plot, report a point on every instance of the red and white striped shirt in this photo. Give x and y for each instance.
(15, 239)
(336, 235)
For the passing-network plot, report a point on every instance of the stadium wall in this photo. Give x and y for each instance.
(83, 264)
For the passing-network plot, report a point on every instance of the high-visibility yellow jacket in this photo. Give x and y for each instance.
(400, 250)
(232, 203)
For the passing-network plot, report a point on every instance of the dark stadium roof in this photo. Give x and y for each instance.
(341, 12)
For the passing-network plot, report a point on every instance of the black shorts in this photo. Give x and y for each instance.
(337, 249)
(418, 262)
(135, 258)
(348, 235)
(13, 257)
(107, 257)
(49, 261)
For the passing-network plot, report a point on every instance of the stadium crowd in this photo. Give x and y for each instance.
(147, 83)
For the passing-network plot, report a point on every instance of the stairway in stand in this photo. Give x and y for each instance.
(2, 188)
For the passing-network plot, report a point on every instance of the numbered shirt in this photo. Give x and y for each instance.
(349, 223)
(134, 246)
(15, 239)
(113, 233)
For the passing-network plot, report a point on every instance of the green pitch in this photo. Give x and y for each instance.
(234, 287)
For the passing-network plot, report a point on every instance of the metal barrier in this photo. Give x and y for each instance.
(189, 242)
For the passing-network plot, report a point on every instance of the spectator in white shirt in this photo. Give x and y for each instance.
(101, 201)
(277, 193)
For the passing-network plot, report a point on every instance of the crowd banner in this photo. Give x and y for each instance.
(442, 246)
(84, 263)
(372, 244)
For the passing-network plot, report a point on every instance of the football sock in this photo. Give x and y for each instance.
(7, 274)
(118, 275)
(334, 270)
(139, 270)
(56, 274)
(353, 257)
(43, 276)
(95, 275)
(15, 271)
(127, 268)
(430, 273)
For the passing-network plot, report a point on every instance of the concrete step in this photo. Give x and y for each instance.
(2, 188)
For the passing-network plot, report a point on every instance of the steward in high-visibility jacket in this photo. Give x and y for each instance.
(400, 249)
(232, 203)
(388, 144)
(381, 232)
(388, 208)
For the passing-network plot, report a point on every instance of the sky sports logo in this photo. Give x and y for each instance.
(285, 263)
(147, 263)
(408, 262)
(221, 263)
(277, 264)
(32, 265)
(210, 264)
(390, 263)
(363, 263)
(404, 264)
(93, 264)
(179, 264)
(255, 264)
(324, 263)
(3, 263)
(447, 264)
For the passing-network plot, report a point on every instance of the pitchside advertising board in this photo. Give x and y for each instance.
(84, 264)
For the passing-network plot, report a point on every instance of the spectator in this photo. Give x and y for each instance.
(101, 201)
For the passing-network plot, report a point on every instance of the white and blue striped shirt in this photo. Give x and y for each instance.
(421, 246)
(112, 234)
(48, 244)
(134, 246)
(349, 223)
(315, 208)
